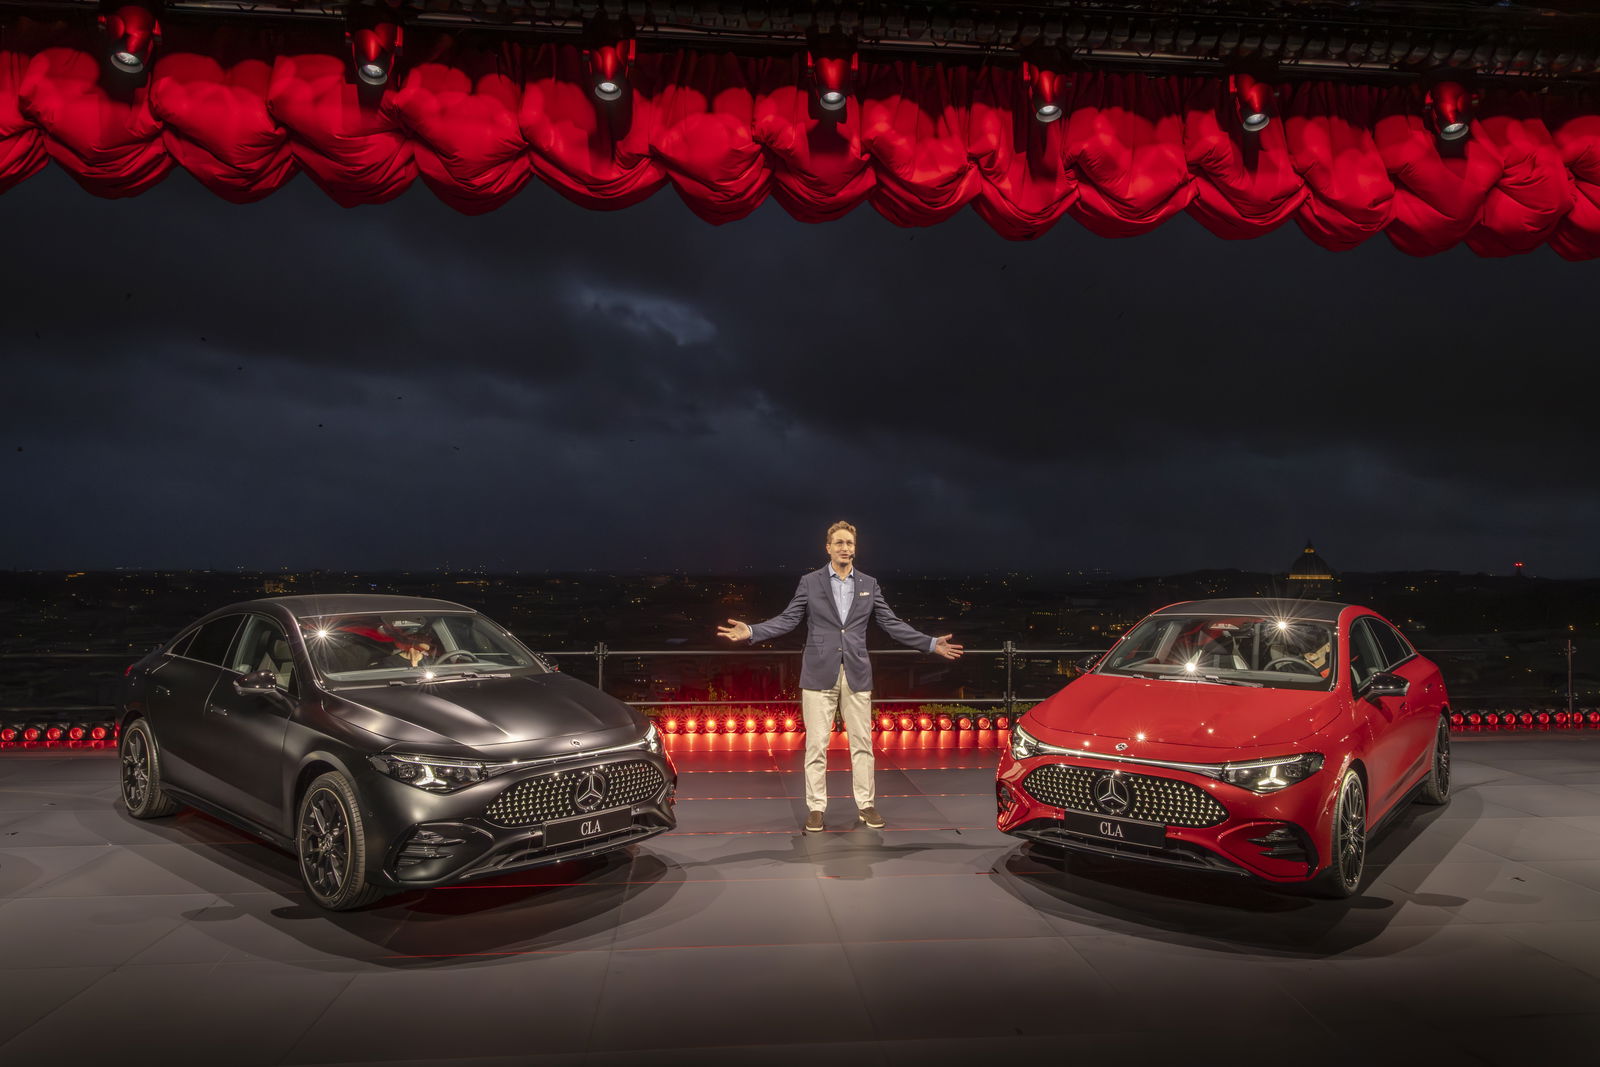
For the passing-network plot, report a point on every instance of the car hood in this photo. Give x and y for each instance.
(1181, 714)
(540, 713)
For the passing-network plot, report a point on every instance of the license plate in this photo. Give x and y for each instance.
(1124, 831)
(569, 830)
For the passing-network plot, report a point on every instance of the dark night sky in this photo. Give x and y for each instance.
(193, 384)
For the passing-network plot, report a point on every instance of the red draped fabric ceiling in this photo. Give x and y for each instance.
(245, 110)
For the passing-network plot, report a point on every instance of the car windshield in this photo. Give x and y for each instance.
(1248, 650)
(407, 648)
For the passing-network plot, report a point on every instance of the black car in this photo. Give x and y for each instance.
(390, 742)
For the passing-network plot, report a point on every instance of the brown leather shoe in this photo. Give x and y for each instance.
(814, 822)
(871, 817)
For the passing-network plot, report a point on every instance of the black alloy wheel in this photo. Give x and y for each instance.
(330, 838)
(141, 773)
(1436, 787)
(1347, 858)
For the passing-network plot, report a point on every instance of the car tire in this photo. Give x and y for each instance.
(141, 773)
(331, 845)
(1347, 847)
(1436, 787)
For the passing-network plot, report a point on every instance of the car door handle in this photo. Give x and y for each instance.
(162, 690)
(213, 709)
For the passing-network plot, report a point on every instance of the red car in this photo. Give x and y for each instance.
(1257, 737)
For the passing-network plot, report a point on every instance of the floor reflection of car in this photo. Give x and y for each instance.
(390, 742)
(1257, 737)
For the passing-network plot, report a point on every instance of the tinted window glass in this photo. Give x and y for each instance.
(211, 641)
(1366, 658)
(262, 646)
(180, 647)
(1393, 645)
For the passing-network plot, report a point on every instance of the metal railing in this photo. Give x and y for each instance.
(1467, 671)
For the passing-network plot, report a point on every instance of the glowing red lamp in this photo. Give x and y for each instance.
(1449, 108)
(133, 33)
(946, 723)
(374, 48)
(609, 65)
(8, 733)
(1255, 102)
(53, 733)
(1046, 91)
(886, 723)
(97, 733)
(833, 77)
(984, 722)
(924, 722)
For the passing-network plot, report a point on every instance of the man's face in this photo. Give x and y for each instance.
(842, 548)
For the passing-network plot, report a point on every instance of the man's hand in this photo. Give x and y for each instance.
(943, 647)
(735, 630)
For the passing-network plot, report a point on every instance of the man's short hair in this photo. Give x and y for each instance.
(836, 527)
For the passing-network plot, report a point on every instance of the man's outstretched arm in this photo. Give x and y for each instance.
(776, 626)
(906, 634)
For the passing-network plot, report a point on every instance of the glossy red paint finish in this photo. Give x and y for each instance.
(1389, 740)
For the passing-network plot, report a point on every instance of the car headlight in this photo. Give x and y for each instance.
(436, 774)
(1271, 775)
(1024, 744)
(652, 740)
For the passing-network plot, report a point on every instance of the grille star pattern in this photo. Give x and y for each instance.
(552, 796)
(1160, 800)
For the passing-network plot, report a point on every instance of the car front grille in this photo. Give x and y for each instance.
(555, 796)
(1160, 800)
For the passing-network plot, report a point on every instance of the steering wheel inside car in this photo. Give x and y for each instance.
(1293, 664)
(472, 657)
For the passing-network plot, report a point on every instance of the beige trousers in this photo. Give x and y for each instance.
(817, 707)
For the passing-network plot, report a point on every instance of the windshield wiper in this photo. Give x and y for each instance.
(456, 676)
(1229, 681)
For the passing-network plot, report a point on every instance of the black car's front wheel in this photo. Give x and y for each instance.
(141, 773)
(1436, 787)
(1347, 853)
(330, 839)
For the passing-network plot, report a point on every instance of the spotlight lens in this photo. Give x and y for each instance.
(1256, 121)
(1047, 112)
(607, 90)
(1454, 131)
(127, 62)
(373, 73)
(833, 100)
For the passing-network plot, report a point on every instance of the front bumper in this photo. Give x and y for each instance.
(1271, 836)
(419, 840)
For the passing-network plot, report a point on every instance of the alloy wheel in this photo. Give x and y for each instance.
(1350, 833)
(325, 843)
(135, 770)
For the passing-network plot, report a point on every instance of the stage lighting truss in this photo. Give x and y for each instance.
(132, 31)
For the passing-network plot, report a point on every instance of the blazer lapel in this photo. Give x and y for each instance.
(825, 578)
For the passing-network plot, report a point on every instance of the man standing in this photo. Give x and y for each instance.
(835, 674)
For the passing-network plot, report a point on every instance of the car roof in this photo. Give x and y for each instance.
(314, 605)
(1268, 607)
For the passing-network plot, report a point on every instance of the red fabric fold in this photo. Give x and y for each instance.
(244, 110)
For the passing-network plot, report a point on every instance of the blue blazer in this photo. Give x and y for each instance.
(831, 640)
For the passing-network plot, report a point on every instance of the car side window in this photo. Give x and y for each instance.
(211, 641)
(1395, 648)
(180, 647)
(1366, 657)
(262, 646)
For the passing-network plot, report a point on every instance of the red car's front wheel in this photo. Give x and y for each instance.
(1347, 846)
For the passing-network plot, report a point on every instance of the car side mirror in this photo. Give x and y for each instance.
(257, 682)
(1384, 684)
(1085, 664)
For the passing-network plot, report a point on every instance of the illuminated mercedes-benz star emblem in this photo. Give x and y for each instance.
(590, 792)
(1122, 746)
(1112, 794)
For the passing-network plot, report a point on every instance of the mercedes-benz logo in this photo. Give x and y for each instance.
(1111, 793)
(590, 792)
